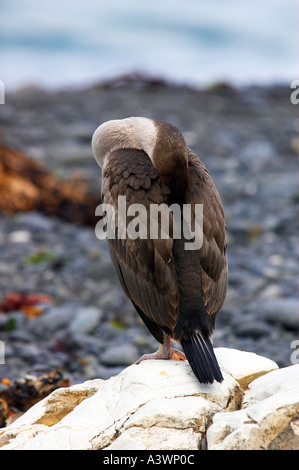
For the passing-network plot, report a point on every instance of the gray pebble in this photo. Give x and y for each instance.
(53, 320)
(36, 220)
(257, 154)
(85, 320)
(253, 328)
(122, 354)
(282, 311)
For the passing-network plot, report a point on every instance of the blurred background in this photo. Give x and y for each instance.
(62, 43)
(219, 70)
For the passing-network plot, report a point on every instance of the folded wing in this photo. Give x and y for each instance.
(213, 260)
(144, 267)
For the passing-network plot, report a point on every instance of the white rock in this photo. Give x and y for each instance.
(244, 366)
(281, 311)
(166, 423)
(225, 424)
(179, 413)
(281, 380)
(19, 236)
(106, 411)
(157, 438)
(22, 433)
(269, 419)
(161, 405)
(58, 404)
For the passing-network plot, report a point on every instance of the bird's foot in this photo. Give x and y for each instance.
(178, 355)
(170, 353)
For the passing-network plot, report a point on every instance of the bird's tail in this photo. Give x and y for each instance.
(201, 357)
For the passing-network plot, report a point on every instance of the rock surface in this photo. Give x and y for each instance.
(159, 405)
(269, 418)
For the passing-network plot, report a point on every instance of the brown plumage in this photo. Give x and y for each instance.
(177, 292)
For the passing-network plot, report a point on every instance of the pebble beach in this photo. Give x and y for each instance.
(249, 140)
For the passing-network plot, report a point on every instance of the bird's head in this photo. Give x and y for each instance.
(134, 132)
(160, 140)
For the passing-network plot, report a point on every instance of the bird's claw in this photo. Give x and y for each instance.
(172, 353)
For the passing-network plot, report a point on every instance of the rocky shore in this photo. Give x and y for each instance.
(160, 405)
(248, 139)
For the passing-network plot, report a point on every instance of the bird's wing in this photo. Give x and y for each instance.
(213, 250)
(145, 267)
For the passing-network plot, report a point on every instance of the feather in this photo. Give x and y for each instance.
(201, 357)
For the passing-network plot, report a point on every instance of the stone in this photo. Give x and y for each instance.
(268, 420)
(281, 311)
(257, 154)
(251, 327)
(48, 411)
(85, 320)
(122, 354)
(167, 423)
(279, 381)
(19, 236)
(156, 438)
(244, 366)
(36, 220)
(53, 320)
(153, 405)
(58, 404)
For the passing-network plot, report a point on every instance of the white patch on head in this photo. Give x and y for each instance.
(145, 132)
(134, 132)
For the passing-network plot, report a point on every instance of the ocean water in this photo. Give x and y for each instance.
(58, 43)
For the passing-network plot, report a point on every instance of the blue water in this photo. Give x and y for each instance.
(56, 43)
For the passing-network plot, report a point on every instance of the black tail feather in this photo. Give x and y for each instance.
(201, 357)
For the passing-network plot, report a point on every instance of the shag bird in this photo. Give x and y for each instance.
(176, 291)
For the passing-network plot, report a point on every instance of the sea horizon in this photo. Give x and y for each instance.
(196, 43)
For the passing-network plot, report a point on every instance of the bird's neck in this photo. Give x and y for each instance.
(173, 171)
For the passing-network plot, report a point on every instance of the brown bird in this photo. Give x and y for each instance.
(176, 290)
